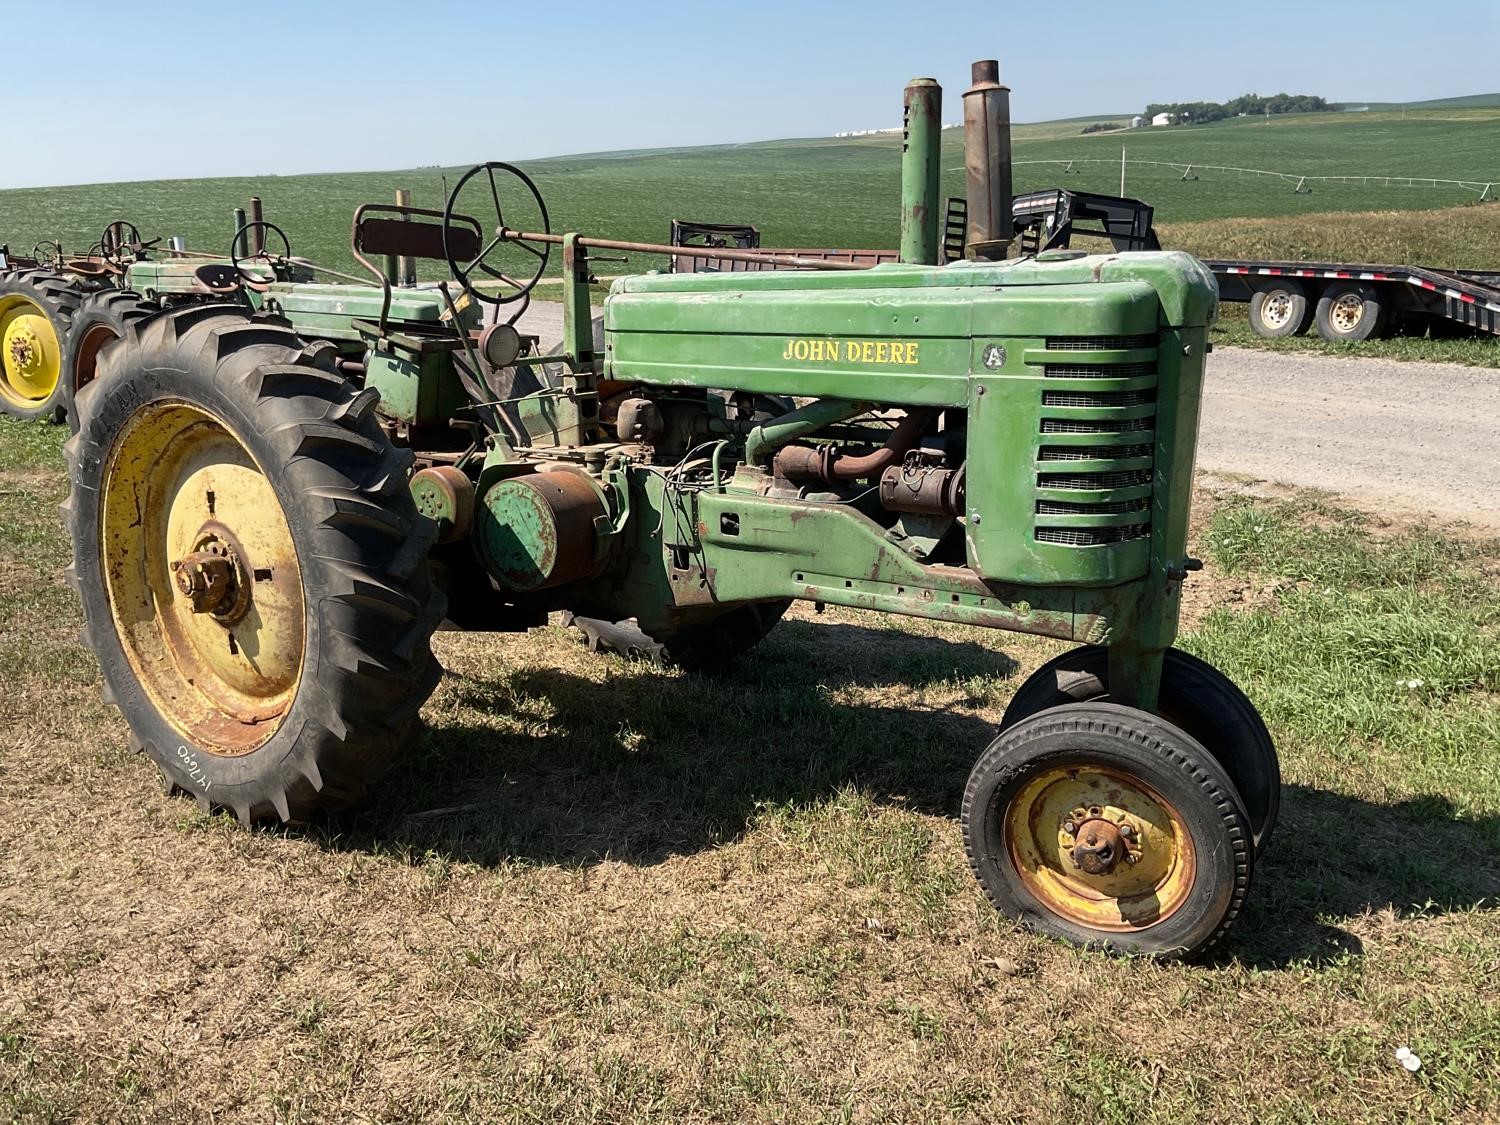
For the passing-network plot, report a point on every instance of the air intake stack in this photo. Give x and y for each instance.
(921, 137)
(987, 162)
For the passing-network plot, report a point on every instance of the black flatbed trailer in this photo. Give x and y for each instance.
(1343, 300)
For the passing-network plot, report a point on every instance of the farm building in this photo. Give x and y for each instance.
(1162, 119)
(1137, 121)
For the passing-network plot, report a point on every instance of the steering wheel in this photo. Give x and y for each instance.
(252, 279)
(118, 238)
(464, 258)
(47, 252)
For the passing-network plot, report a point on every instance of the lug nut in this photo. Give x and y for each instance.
(1070, 829)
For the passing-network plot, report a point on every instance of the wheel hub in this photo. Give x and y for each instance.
(1101, 844)
(30, 356)
(1348, 311)
(213, 578)
(1276, 310)
(1099, 848)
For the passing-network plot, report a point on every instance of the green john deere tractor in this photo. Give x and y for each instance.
(58, 310)
(271, 514)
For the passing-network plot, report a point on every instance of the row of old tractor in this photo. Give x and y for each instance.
(59, 310)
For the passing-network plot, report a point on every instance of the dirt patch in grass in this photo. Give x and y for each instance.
(600, 891)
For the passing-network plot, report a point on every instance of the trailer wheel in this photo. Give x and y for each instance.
(1196, 697)
(1107, 826)
(251, 564)
(1350, 311)
(102, 319)
(1280, 308)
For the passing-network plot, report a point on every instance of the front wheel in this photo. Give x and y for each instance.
(1107, 826)
(1194, 696)
(252, 568)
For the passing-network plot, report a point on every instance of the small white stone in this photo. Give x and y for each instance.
(1403, 1053)
(1412, 1063)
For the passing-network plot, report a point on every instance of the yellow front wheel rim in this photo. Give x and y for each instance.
(1137, 858)
(30, 355)
(203, 580)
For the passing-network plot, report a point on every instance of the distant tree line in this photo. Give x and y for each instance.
(1193, 113)
(1101, 127)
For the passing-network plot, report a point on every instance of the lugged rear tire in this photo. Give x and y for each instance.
(101, 319)
(36, 313)
(205, 410)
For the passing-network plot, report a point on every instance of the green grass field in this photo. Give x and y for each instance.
(827, 192)
(582, 900)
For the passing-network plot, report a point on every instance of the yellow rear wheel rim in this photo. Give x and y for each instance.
(180, 490)
(30, 355)
(1152, 872)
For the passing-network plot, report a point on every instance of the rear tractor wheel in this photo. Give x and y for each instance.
(36, 311)
(251, 564)
(1107, 826)
(103, 318)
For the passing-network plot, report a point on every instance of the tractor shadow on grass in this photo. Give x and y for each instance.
(1334, 858)
(542, 766)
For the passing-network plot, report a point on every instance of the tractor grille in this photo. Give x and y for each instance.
(1069, 508)
(1076, 426)
(1131, 479)
(1110, 430)
(1098, 343)
(1093, 452)
(1092, 537)
(1101, 399)
(1097, 370)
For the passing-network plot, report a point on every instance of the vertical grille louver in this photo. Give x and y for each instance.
(1094, 466)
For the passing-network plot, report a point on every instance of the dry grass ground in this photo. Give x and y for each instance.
(601, 892)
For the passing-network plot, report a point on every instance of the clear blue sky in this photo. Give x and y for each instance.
(155, 90)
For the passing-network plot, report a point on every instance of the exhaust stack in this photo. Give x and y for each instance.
(987, 163)
(920, 164)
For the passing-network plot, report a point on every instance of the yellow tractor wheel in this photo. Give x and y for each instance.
(251, 564)
(36, 312)
(1104, 825)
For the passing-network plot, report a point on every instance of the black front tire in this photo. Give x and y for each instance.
(1197, 697)
(364, 666)
(1211, 853)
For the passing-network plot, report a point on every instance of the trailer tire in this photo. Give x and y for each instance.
(1280, 308)
(1350, 311)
